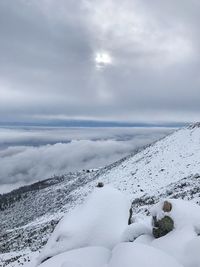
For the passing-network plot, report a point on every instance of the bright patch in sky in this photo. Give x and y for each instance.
(102, 59)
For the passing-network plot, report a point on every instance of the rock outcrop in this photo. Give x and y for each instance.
(163, 226)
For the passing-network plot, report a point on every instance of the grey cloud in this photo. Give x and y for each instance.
(47, 66)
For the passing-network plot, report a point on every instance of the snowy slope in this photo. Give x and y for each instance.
(167, 166)
(168, 160)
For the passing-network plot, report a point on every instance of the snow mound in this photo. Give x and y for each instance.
(174, 243)
(70, 264)
(130, 254)
(144, 239)
(83, 257)
(191, 253)
(100, 221)
(97, 234)
(135, 230)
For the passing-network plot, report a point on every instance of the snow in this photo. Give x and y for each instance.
(183, 213)
(103, 222)
(83, 257)
(130, 254)
(168, 160)
(70, 264)
(135, 230)
(100, 221)
(144, 239)
(97, 234)
(191, 253)
(123, 254)
(186, 217)
(174, 243)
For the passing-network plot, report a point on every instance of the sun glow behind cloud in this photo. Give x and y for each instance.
(102, 59)
(146, 52)
(134, 32)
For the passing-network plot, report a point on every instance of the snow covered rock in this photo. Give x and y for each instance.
(167, 206)
(186, 218)
(163, 226)
(100, 221)
(131, 254)
(183, 213)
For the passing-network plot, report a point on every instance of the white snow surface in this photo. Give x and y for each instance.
(168, 160)
(191, 253)
(82, 257)
(175, 242)
(135, 230)
(139, 255)
(100, 221)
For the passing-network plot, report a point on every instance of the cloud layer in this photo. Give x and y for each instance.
(48, 68)
(89, 148)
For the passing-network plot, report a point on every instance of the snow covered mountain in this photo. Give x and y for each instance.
(168, 160)
(168, 168)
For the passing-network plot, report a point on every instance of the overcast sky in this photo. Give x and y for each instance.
(130, 60)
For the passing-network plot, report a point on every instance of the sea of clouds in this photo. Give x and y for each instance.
(34, 153)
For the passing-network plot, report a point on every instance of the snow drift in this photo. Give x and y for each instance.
(92, 235)
(100, 221)
(82, 257)
(129, 255)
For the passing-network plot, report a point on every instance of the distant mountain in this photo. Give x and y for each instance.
(168, 167)
(89, 123)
